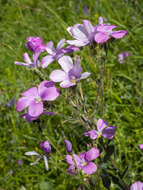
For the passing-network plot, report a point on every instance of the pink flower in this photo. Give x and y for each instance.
(141, 146)
(138, 185)
(104, 32)
(83, 161)
(102, 130)
(34, 97)
(122, 56)
(70, 73)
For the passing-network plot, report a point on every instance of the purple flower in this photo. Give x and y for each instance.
(68, 145)
(122, 56)
(85, 10)
(102, 130)
(104, 32)
(54, 54)
(19, 162)
(28, 62)
(71, 73)
(83, 34)
(35, 44)
(83, 162)
(138, 185)
(11, 103)
(33, 153)
(46, 147)
(141, 146)
(33, 99)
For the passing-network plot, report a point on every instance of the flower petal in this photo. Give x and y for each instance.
(32, 153)
(47, 60)
(119, 34)
(138, 185)
(27, 58)
(31, 92)
(21, 63)
(68, 145)
(93, 134)
(79, 32)
(69, 159)
(35, 109)
(70, 169)
(22, 103)
(46, 162)
(50, 48)
(101, 37)
(92, 154)
(67, 84)
(78, 43)
(101, 124)
(61, 43)
(84, 76)
(90, 168)
(109, 132)
(105, 27)
(88, 26)
(66, 63)
(57, 75)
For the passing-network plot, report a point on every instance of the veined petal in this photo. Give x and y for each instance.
(46, 162)
(22, 103)
(66, 63)
(79, 32)
(109, 132)
(57, 75)
(101, 37)
(27, 58)
(47, 60)
(77, 43)
(50, 94)
(88, 26)
(90, 168)
(61, 43)
(92, 154)
(31, 92)
(119, 34)
(101, 124)
(35, 109)
(32, 153)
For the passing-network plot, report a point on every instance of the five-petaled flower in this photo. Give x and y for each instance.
(83, 33)
(102, 130)
(54, 54)
(83, 162)
(34, 97)
(71, 73)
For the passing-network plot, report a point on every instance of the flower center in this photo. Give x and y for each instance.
(73, 79)
(38, 99)
(83, 163)
(109, 32)
(99, 134)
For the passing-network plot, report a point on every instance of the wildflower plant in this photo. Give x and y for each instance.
(96, 156)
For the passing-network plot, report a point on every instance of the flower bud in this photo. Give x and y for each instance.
(46, 147)
(68, 145)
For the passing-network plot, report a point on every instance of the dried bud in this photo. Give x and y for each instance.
(68, 145)
(46, 147)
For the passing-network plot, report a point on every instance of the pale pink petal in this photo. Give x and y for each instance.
(92, 154)
(22, 103)
(50, 48)
(79, 32)
(49, 94)
(77, 160)
(27, 58)
(77, 43)
(47, 60)
(67, 84)
(69, 159)
(21, 63)
(105, 27)
(92, 134)
(57, 75)
(66, 63)
(61, 43)
(119, 34)
(138, 185)
(101, 37)
(90, 168)
(32, 153)
(84, 76)
(35, 109)
(101, 125)
(31, 92)
(88, 26)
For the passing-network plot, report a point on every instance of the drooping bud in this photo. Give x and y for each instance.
(46, 147)
(68, 145)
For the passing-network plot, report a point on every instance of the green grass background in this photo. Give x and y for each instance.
(49, 19)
